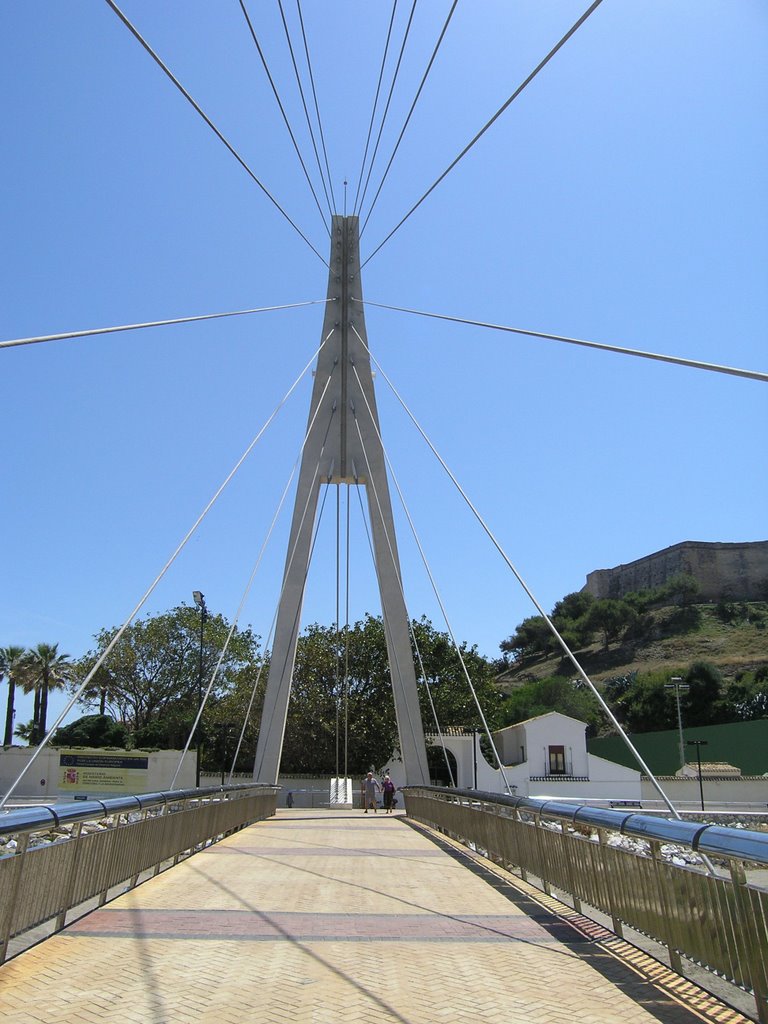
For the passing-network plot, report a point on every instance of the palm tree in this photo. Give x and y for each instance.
(11, 668)
(44, 670)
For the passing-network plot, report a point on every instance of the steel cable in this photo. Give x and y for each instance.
(156, 323)
(408, 118)
(285, 116)
(137, 35)
(304, 105)
(389, 100)
(488, 124)
(145, 597)
(467, 677)
(375, 104)
(622, 350)
(317, 105)
(553, 629)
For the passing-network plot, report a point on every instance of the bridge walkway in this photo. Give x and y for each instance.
(334, 916)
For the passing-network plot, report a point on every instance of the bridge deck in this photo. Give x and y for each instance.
(317, 916)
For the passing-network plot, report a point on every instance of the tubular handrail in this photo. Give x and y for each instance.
(715, 918)
(20, 820)
(731, 843)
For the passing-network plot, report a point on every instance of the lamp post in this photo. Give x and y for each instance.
(225, 729)
(676, 683)
(199, 600)
(699, 744)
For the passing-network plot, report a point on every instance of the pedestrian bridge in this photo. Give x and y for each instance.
(332, 915)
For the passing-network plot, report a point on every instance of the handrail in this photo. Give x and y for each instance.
(738, 844)
(42, 881)
(16, 821)
(715, 919)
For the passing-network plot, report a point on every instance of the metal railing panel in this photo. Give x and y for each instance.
(40, 883)
(718, 922)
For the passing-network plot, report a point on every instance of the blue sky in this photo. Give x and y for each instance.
(620, 199)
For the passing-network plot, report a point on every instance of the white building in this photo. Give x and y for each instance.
(544, 756)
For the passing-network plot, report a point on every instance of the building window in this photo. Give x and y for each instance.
(557, 760)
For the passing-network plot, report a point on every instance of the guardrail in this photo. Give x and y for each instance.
(39, 883)
(720, 923)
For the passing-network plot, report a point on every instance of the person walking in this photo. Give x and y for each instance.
(370, 788)
(388, 789)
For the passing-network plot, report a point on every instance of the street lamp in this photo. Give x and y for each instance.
(676, 683)
(199, 600)
(699, 744)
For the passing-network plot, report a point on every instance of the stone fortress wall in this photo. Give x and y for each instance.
(733, 572)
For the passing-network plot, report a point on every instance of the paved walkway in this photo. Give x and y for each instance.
(326, 917)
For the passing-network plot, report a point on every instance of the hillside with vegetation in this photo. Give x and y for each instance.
(630, 649)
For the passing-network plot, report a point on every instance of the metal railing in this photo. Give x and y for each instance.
(135, 834)
(717, 922)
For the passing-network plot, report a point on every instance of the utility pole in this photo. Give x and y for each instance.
(699, 744)
(199, 600)
(676, 683)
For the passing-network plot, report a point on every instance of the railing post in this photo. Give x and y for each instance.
(520, 823)
(6, 921)
(746, 939)
(674, 957)
(567, 841)
(66, 901)
(542, 860)
(615, 922)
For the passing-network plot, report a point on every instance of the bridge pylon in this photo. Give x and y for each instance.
(343, 445)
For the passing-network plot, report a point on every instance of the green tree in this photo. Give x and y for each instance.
(149, 681)
(91, 731)
(11, 669)
(610, 617)
(571, 617)
(703, 704)
(552, 694)
(44, 670)
(646, 706)
(532, 638)
(447, 681)
(322, 694)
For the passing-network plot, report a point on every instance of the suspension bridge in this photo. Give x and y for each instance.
(474, 906)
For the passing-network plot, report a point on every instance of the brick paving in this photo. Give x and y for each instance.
(332, 916)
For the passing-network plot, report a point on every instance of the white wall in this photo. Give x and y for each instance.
(44, 780)
(684, 793)
(607, 780)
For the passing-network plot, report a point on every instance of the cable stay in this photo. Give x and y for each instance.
(215, 672)
(488, 124)
(396, 568)
(236, 619)
(375, 104)
(285, 116)
(389, 100)
(317, 105)
(254, 688)
(277, 606)
(304, 105)
(435, 589)
(145, 597)
(269, 709)
(137, 35)
(416, 648)
(155, 323)
(553, 629)
(622, 350)
(346, 651)
(408, 117)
